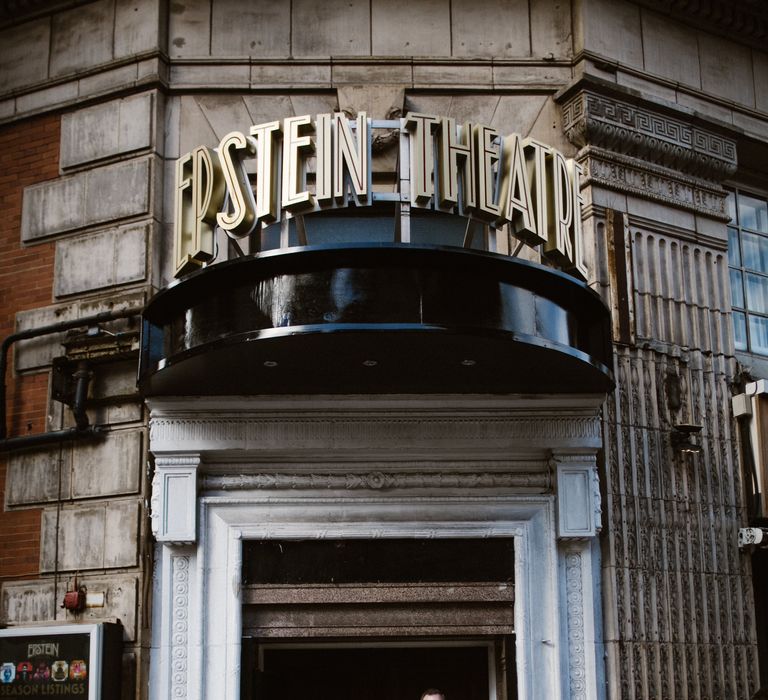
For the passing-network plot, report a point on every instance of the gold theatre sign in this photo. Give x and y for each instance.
(301, 165)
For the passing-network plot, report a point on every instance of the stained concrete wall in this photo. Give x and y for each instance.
(72, 41)
(642, 47)
(303, 29)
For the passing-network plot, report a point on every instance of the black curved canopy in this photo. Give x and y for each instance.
(383, 318)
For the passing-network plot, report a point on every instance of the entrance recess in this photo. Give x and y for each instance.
(375, 672)
(319, 619)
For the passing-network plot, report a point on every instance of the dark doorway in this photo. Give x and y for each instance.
(373, 673)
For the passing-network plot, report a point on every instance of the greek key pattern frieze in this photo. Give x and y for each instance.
(607, 122)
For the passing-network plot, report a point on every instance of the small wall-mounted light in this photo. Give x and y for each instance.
(682, 438)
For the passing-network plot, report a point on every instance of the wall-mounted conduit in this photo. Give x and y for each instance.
(81, 376)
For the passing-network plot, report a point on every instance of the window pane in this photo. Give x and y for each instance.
(755, 249)
(730, 205)
(753, 213)
(734, 254)
(740, 330)
(737, 289)
(758, 334)
(757, 293)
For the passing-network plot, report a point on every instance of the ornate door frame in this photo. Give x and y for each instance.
(349, 467)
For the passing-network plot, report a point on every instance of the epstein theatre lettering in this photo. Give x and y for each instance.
(303, 165)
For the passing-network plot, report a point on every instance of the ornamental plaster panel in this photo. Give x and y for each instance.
(632, 176)
(179, 626)
(616, 125)
(574, 596)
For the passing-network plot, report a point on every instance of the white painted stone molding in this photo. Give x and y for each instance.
(584, 676)
(578, 497)
(174, 498)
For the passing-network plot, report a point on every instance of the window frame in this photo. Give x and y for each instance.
(744, 314)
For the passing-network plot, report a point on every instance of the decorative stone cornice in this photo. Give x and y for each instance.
(641, 131)
(258, 433)
(629, 175)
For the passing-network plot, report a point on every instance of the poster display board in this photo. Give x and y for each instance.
(78, 661)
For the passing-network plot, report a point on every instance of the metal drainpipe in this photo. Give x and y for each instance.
(82, 377)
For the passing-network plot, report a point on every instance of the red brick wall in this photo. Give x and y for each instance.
(29, 153)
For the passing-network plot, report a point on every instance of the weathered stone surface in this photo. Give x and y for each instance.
(257, 28)
(46, 98)
(120, 601)
(285, 75)
(204, 75)
(24, 51)
(109, 467)
(490, 29)
(108, 129)
(138, 27)
(426, 76)
(82, 200)
(80, 539)
(611, 28)
(671, 49)
(121, 253)
(35, 601)
(28, 601)
(554, 75)
(551, 30)
(102, 536)
(81, 38)
(368, 73)
(427, 31)
(189, 28)
(726, 69)
(122, 534)
(706, 107)
(377, 101)
(338, 28)
(649, 87)
(760, 64)
(106, 82)
(225, 114)
(131, 180)
(34, 476)
(52, 207)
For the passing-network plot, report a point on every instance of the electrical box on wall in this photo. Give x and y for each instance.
(77, 660)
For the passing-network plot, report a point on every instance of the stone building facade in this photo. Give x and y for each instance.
(627, 579)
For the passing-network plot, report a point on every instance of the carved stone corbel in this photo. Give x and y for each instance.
(174, 498)
(578, 497)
